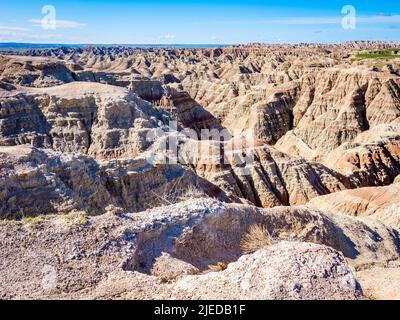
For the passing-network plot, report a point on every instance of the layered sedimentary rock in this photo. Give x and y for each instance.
(108, 122)
(34, 72)
(34, 182)
(100, 120)
(316, 98)
(372, 159)
(275, 178)
(309, 101)
(379, 203)
(187, 112)
(341, 105)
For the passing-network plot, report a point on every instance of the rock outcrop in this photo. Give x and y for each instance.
(36, 183)
(75, 257)
(372, 159)
(34, 72)
(275, 179)
(99, 120)
(341, 105)
(379, 203)
(285, 271)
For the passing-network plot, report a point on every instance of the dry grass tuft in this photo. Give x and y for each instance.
(255, 239)
(78, 218)
(192, 192)
(178, 193)
(34, 222)
(220, 266)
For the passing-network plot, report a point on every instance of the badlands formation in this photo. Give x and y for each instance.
(85, 214)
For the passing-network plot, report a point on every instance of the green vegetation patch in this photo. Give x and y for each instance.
(78, 218)
(363, 56)
(34, 221)
(378, 54)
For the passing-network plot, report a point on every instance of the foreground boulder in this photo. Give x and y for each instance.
(286, 270)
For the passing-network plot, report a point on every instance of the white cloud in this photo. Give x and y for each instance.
(13, 29)
(46, 36)
(382, 18)
(16, 34)
(168, 36)
(336, 20)
(60, 24)
(311, 20)
(33, 38)
(11, 32)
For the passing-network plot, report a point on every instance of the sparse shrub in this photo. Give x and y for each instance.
(33, 221)
(220, 266)
(192, 193)
(82, 221)
(255, 239)
(179, 192)
(79, 218)
(7, 222)
(114, 210)
(165, 280)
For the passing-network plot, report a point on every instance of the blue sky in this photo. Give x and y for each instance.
(198, 22)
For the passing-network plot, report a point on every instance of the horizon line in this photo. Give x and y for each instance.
(190, 44)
